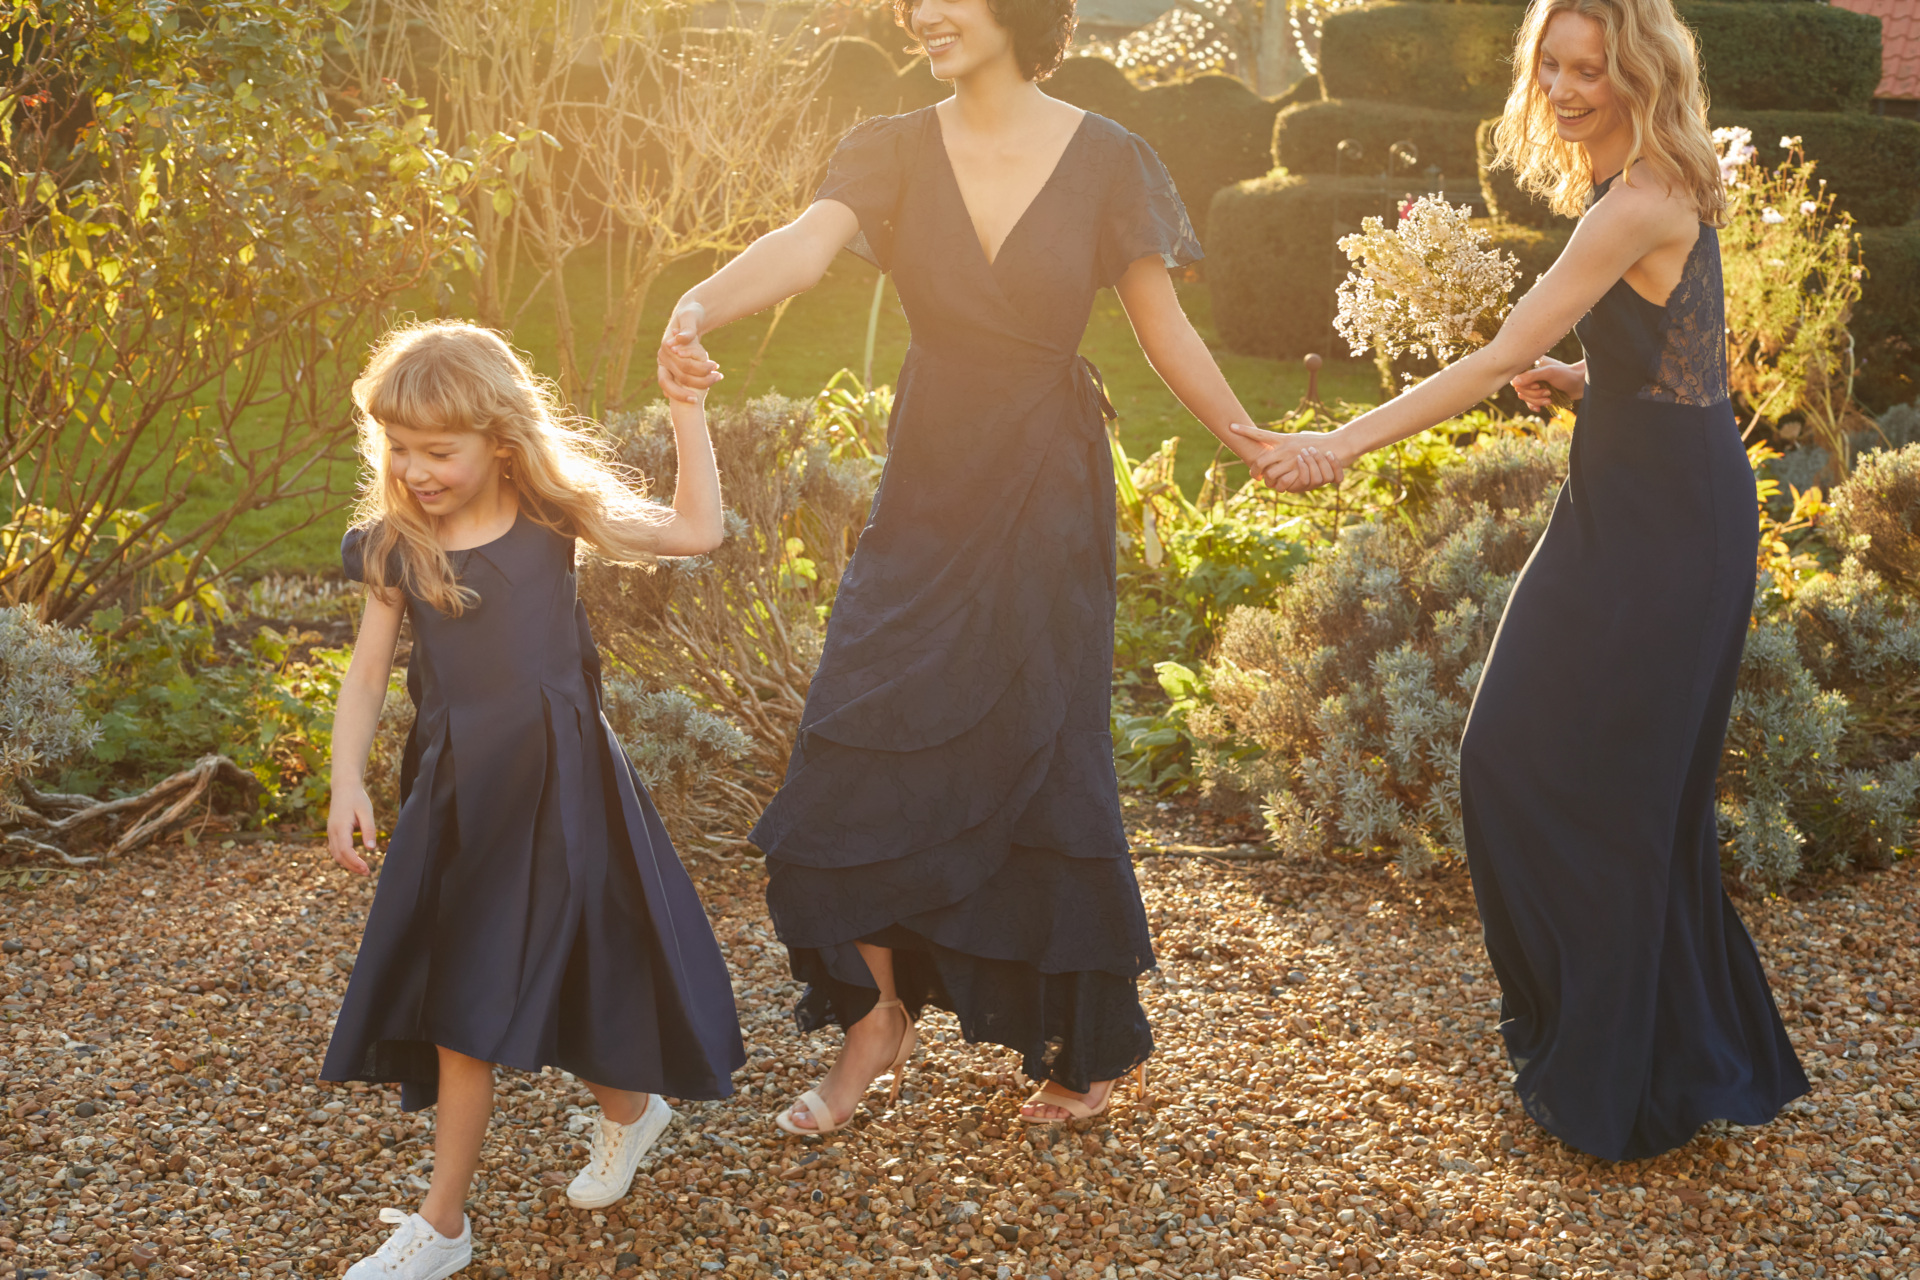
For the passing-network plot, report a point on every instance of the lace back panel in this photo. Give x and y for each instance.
(1675, 353)
(1691, 364)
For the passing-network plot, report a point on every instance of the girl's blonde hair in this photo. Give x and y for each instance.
(1654, 67)
(448, 376)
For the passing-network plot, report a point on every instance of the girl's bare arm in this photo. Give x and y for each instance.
(694, 525)
(363, 691)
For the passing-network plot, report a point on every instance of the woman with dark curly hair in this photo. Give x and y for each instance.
(949, 829)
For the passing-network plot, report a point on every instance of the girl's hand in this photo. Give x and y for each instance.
(684, 371)
(1537, 385)
(1294, 462)
(350, 808)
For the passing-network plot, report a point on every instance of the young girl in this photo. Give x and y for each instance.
(1635, 1007)
(531, 911)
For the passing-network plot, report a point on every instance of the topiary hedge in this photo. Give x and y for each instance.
(1211, 132)
(1096, 85)
(1807, 57)
(1451, 57)
(1306, 137)
(1886, 322)
(1275, 263)
(1870, 163)
(1799, 57)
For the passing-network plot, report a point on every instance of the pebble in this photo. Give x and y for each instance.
(1328, 1098)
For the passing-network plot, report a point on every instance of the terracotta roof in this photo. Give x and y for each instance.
(1899, 44)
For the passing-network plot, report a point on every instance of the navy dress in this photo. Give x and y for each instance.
(1634, 1007)
(530, 910)
(952, 792)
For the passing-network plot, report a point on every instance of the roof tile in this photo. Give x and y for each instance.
(1900, 44)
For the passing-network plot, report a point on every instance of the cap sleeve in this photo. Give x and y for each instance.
(353, 556)
(865, 174)
(1144, 215)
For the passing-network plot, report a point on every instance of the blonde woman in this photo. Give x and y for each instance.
(531, 911)
(1635, 1007)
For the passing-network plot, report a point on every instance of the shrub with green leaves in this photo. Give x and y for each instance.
(1356, 683)
(43, 722)
(168, 691)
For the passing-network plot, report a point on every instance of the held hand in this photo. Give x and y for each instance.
(349, 809)
(1294, 462)
(1537, 385)
(684, 371)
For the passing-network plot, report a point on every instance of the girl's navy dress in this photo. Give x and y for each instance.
(530, 911)
(1634, 1007)
(951, 793)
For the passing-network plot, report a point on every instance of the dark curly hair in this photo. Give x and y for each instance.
(1042, 30)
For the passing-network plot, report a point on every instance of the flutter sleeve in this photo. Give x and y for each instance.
(866, 175)
(1144, 215)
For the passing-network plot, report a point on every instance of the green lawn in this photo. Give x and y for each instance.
(825, 331)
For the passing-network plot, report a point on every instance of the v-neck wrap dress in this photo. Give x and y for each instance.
(952, 790)
(531, 911)
(1634, 1005)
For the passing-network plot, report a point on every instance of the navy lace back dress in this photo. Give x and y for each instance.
(1635, 1007)
(952, 791)
(531, 911)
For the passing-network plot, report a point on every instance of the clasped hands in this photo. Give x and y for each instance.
(1294, 462)
(683, 368)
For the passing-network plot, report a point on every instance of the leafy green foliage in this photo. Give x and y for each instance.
(193, 239)
(168, 692)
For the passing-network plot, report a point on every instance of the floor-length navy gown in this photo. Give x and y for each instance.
(1635, 1007)
(952, 790)
(531, 911)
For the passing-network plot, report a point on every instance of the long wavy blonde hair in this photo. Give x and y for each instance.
(449, 376)
(1654, 67)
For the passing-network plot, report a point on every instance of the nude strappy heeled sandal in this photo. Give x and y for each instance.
(822, 1114)
(1076, 1109)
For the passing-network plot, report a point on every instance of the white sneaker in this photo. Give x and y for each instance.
(617, 1149)
(415, 1251)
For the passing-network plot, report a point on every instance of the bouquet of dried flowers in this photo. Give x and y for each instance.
(1430, 287)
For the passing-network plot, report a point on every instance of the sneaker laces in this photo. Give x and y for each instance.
(600, 1161)
(399, 1247)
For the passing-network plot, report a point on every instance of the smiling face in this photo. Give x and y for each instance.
(960, 37)
(1573, 73)
(444, 470)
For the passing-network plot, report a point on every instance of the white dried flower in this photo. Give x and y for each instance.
(1736, 150)
(1772, 216)
(1429, 286)
(1789, 141)
(1808, 206)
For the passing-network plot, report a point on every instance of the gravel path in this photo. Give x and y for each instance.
(1327, 1097)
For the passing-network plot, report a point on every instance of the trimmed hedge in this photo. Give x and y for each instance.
(1211, 132)
(1275, 263)
(1505, 199)
(1886, 323)
(1096, 85)
(1790, 57)
(1306, 137)
(1870, 163)
(1452, 57)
